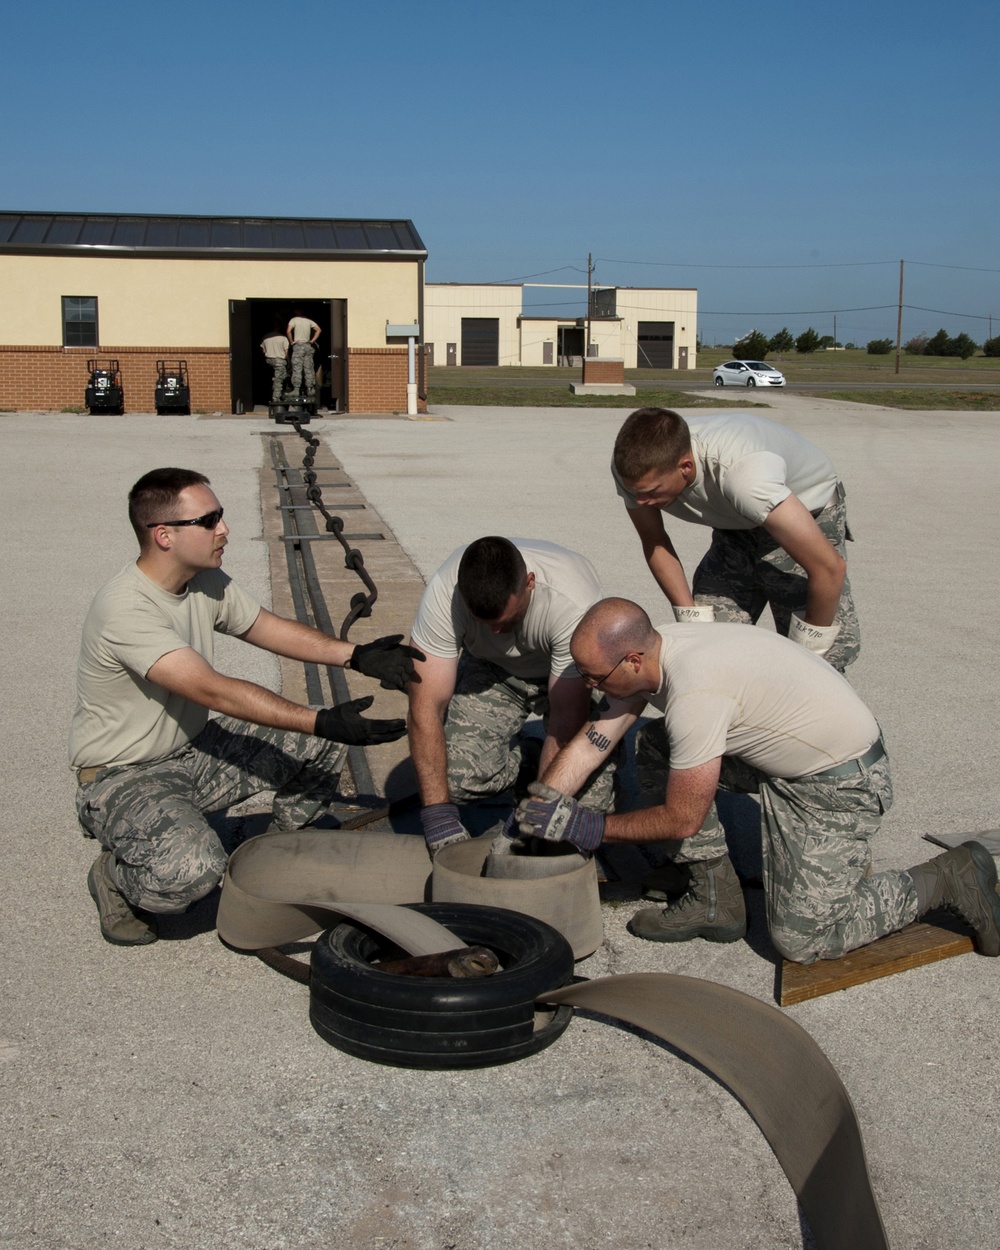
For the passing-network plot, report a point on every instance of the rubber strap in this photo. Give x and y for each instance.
(768, 1061)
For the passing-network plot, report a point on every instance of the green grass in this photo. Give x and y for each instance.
(937, 382)
(925, 399)
(502, 396)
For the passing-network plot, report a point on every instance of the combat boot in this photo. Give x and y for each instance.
(964, 880)
(712, 908)
(121, 923)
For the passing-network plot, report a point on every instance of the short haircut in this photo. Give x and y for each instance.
(154, 498)
(615, 627)
(650, 439)
(490, 571)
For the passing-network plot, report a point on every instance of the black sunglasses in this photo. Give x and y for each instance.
(207, 522)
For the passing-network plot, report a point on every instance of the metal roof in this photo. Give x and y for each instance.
(132, 234)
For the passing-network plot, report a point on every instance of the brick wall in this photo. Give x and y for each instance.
(377, 379)
(47, 379)
(608, 370)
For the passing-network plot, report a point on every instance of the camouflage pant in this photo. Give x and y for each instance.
(744, 571)
(821, 896)
(487, 710)
(303, 369)
(150, 816)
(280, 367)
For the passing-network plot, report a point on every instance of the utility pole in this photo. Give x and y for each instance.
(899, 317)
(590, 268)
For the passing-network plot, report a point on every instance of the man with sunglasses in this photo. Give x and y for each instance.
(493, 628)
(149, 761)
(749, 711)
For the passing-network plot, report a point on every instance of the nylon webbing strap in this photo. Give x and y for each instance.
(780, 1075)
(769, 1062)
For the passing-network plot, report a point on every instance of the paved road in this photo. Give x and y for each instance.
(175, 1096)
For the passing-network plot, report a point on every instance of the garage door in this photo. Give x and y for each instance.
(480, 340)
(656, 345)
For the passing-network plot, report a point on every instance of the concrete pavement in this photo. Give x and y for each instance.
(177, 1096)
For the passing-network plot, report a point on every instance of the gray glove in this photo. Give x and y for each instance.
(556, 817)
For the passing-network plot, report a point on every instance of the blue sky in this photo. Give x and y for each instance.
(781, 157)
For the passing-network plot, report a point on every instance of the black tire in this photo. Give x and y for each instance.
(440, 1022)
(751, 382)
(719, 382)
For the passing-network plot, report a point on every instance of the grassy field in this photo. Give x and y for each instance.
(923, 382)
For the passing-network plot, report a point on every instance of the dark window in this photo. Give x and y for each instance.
(79, 313)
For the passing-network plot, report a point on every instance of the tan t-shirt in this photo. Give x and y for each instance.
(275, 347)
(565, 587)
(302, 329)
(120, 717)
(737, 690)
(745, 466)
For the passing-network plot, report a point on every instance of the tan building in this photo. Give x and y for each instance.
(646, 327)
(472, 324)
(206, 290)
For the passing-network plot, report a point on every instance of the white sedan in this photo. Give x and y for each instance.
(747, 373)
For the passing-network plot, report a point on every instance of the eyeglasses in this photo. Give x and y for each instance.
(591, 680)
(209, 521)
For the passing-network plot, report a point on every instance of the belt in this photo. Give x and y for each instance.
(850, 767)
(84, 776)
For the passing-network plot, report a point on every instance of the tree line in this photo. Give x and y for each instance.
(755, 345)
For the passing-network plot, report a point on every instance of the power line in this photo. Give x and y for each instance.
(809, 312)
(668, 264)
(927, 264)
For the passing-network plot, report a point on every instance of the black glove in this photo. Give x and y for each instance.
(345, 723)
(387, 660)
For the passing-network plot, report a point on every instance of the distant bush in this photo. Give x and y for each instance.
(992, 347)
(962, 345)
(752, 346)
(943, 345)
(782, 341)
(880, 347)
(916, 346)
(808, 341)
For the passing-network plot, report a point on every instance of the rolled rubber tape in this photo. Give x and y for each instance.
(561, 890)
(769, 1062)
(281, 887)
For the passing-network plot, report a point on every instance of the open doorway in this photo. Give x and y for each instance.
(252, 320)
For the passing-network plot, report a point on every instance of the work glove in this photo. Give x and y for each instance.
(344, 723)
(441, 826)
(816, 638)
(387, 660)
(698, 612)
(556, 817)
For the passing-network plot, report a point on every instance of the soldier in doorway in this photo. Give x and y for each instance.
(275, 348)
(303, 333)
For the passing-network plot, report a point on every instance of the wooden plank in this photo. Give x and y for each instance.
(918, 944)
(990, 838)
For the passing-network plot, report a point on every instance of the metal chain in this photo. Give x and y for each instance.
(361, 603)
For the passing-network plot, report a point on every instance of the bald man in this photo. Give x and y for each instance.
(750, 711)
